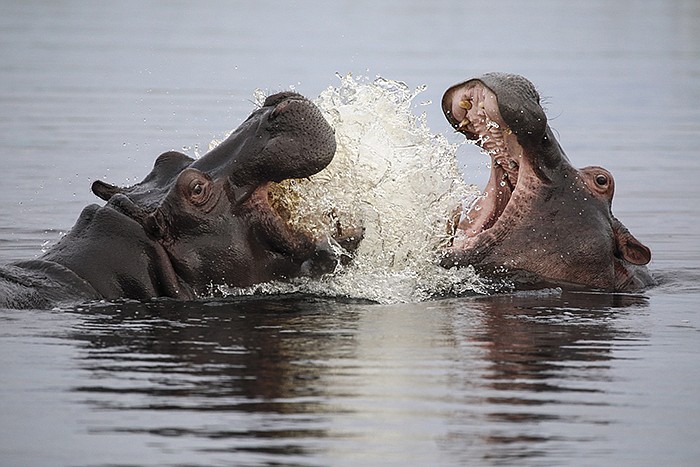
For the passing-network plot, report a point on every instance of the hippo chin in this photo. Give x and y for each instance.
(539, 220)
(191, 224)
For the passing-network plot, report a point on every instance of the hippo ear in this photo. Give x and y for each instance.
(634, 251)
(628, 247)
(105, 190)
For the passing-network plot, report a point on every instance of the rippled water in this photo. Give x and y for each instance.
(91, 90)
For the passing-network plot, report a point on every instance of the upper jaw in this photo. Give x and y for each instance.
(472, 109)
(287, 138)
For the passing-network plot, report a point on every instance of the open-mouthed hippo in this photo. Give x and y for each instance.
(539, 220)
(192, 223)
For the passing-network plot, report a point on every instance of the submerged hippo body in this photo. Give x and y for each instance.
(190, 224)
(539, 221)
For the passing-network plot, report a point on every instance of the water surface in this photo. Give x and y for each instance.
(96, 91)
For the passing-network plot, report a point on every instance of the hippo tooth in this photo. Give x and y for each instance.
(464, 123)
(466, 105)
(512, 164)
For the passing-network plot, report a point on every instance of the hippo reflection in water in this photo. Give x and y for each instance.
(192, 223)
(539, 221)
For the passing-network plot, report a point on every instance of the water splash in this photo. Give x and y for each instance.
(391, 175)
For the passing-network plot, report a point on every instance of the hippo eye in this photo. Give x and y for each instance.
(601, 180)
(198, 190)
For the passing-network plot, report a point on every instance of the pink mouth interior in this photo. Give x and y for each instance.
(472, 109)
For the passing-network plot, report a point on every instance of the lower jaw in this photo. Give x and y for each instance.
(484, 221)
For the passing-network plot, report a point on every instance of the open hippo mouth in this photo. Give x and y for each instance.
(473, 109)
(538, 215)
(213, 216)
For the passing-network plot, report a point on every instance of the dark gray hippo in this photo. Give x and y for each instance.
(191, 224)
(540, 221)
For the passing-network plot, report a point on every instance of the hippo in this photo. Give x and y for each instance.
(191, 224)
(539, 221)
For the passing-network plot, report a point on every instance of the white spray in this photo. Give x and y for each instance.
(395, 178)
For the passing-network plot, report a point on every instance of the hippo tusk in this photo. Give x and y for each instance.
(466, 105)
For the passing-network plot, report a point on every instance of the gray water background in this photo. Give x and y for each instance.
(94, 90)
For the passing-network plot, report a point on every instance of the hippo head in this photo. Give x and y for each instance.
(193, 223)
(538, 218)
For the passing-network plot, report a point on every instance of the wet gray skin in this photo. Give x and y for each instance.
(539, 221)
(191, 224)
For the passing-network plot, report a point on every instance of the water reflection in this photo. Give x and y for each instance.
(546, 380)
(251, 356)
(289, 379)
